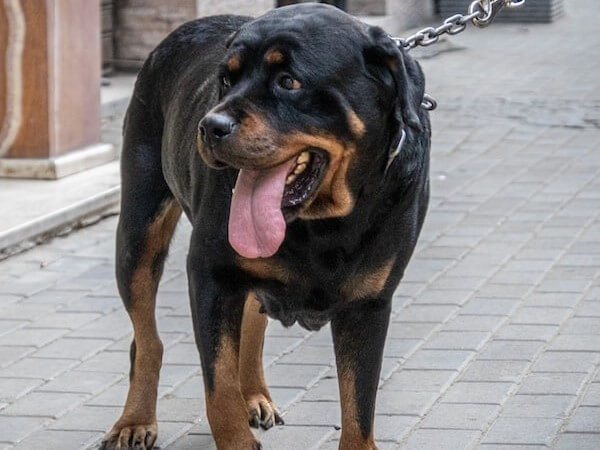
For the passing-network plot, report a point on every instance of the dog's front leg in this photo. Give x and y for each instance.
(359, 336)
(217, 321)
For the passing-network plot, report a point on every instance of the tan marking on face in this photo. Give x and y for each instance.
(266, 269)
(357, 126)
(140, 407)
(352, 437)
(254, 126)
(333, 197)
(274, 56)
(368, 284)
(234, 63)
(225, 406)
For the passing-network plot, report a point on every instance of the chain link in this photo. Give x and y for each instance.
(481, 14)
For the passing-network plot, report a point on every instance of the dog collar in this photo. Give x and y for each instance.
(394, 152)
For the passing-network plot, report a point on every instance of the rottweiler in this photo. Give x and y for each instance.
(297, 146)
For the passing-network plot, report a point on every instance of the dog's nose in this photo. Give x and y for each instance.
(215, 127)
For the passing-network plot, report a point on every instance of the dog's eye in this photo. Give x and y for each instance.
(288, 83)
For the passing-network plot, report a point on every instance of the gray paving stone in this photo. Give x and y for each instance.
(592, 395)
(427, 313)
(69, 348)
(65, 440)
(474, 323)
(527, 332)
(401, 348)
(577, 441)
(539, 405)
(173, 374)
(308, 354)
(13, 388)
(553, 383)
(68, 320)
(298, 376)
(408, 330)
(325, 414)
(298, 437)
(37, 368)
(566, 362)
(460, 416)
(44, 404)
(511, 350)
(14, 429)
(420, 380)
(585, 419)
(457, 340)
(440, 439)
(110, 362)
(443, 297)
(32, 336)
(438, 359)
(541, 316)
(81, 382)
(490, 306)
(492, 393)
(408, 403)
(393, 428)
(576, 343)
(494, 371)
(87, 418)
(173, 409)
(522, 430)
(9, 354)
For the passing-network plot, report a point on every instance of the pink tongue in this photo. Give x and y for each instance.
(256, 223)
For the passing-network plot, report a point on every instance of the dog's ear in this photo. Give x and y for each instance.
(390, 64)
(231, 38)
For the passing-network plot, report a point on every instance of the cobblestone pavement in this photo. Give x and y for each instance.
(495, 337)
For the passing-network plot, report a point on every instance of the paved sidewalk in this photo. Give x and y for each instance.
(495, 339)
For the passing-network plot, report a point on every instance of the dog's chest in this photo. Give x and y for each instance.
(312, 309)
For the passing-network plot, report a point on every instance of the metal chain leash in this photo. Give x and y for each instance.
(481, 13)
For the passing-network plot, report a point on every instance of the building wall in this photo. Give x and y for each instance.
(141, 24)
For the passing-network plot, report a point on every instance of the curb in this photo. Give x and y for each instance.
(49, 225)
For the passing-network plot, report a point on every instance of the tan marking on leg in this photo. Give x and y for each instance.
(357, 126)
(266, 269)
(352, 437)
(368, 284)
(140, 407)
(225, 406)
(274, 56)
(259, 404)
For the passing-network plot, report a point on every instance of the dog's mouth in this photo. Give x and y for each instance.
(264, 201)
(302, 182)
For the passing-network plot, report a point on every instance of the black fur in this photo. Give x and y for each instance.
(342, 63)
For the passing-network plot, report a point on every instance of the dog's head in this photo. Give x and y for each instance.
(310, 101)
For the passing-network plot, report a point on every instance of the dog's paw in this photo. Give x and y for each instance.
(135, 437)
(262, 412)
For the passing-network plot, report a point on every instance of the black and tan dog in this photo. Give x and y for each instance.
(274, 137)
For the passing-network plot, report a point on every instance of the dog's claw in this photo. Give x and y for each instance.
(262, 412)
(278, 419)
(254, 421)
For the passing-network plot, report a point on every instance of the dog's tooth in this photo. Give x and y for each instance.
(300, 168)
(290, 179)
(303, 158)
